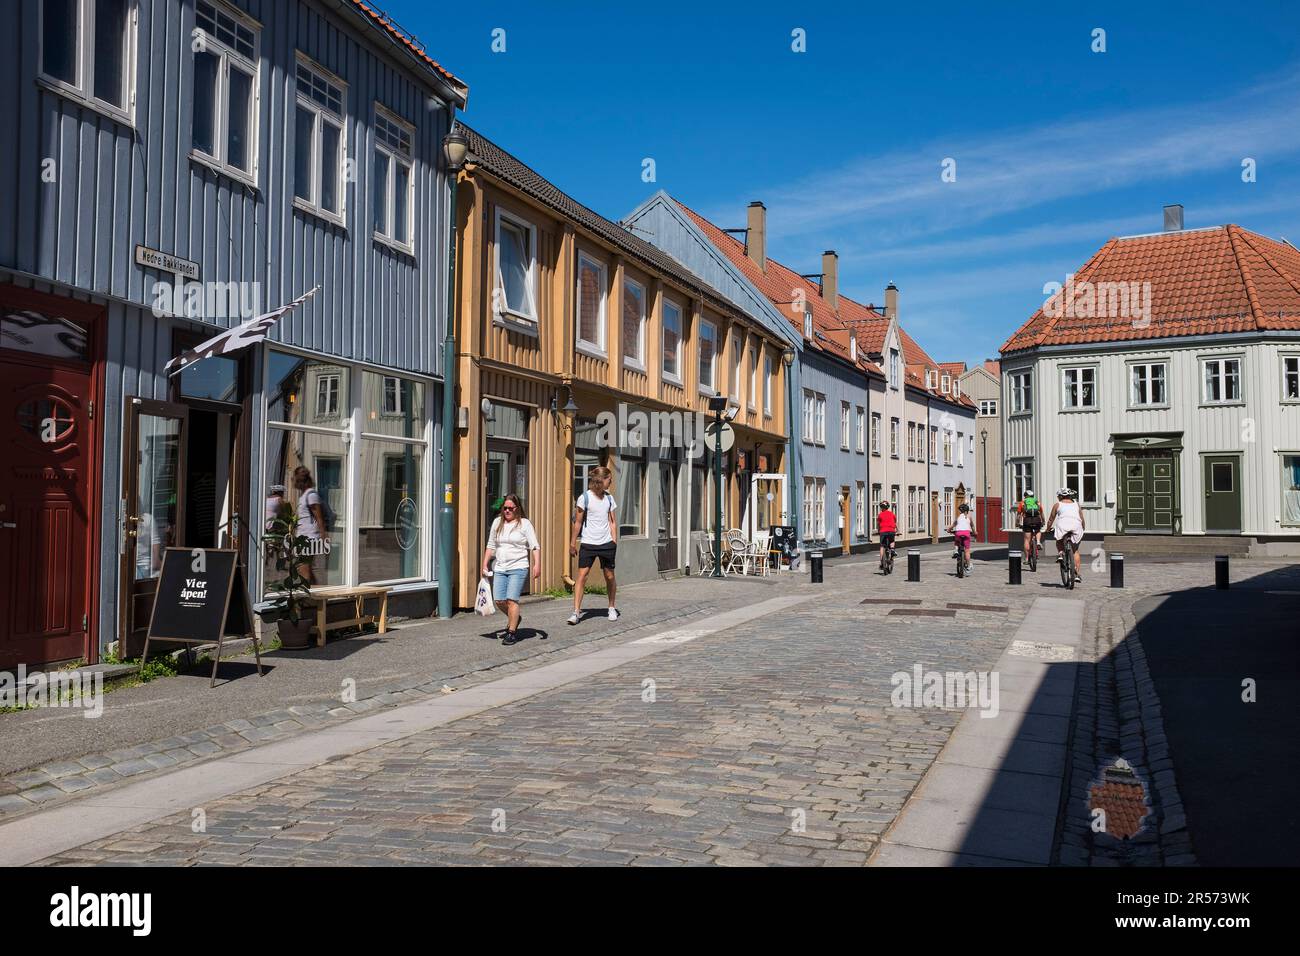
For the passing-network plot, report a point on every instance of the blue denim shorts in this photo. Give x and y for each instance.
(508, 585)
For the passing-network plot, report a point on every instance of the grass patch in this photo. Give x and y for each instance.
(565, 592)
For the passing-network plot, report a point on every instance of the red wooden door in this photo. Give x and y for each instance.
(46, 462)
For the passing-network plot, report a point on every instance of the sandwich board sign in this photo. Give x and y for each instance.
(201, 599)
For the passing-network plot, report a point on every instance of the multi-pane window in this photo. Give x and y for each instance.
(860, 516)
(875, 508)
(1222, 380)
(1022, 395)
(934, 444)
(821, 419)
(708, 356)
(893, 437)
(1291, 490)
(875, 433)
(393, 183)
(736, 353)
(819, 507)
(947, 447)
(911, 441)
(1291, 377)
(672, 332)
(318, 146)
(591, 304)
(808, 499)
(516, 269)
(844, 425)
(224, 100)
(753, 376)
(393, 396)
(1079, 387)
(1081, 475)
(961, 450)
(809, 416)
(893, 368)
(87, 48)
(327, 396)
(947, 507)
(1147, 384)
(988, 407)
(768, 370)
(1022, 480)
(862, 429)
(634, 311)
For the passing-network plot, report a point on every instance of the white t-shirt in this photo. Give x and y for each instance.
(600, 514)
(307, 526)
(510, 542)
(962, 523)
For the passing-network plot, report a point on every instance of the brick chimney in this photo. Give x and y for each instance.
(891, 301)
(831, 278)
(1174, 218)
(756, 237)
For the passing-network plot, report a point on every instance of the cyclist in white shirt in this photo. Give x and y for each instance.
(963, 530)
(1067, 518)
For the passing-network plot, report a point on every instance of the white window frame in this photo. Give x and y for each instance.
(809, 416)
(667, 304)
(845, 411)
(961, 450)
(1132, 383)
(735, 356)
(1077, 482)
(862, 430)
(1283, 455)
(819, 507)
(710, 387)
(1222, 361)
(893, 437)
(500, 306)
(81, 89)
(1020, 477)
(752, 397)
(989, 407)
(893, 368)
(821, 418)
(397, 393)
(635, 362)
(947, 447)
(769, 369)
(875, 433)
(809, 498)
(323, 114)
(230, 58)
(1292, 360)
(332, 395)
(390, 199)
(597, 348)
(1077, 387)
(860, 519)
(876, 492)
(1020, 387)
(934, 444)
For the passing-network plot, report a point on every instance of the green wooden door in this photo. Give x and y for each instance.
(1149, 493)
(1222, 484)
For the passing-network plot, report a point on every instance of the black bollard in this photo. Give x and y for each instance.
(913, 564)
(1013, 566)
(1221, 572)
(1117, 570)
(815, 566)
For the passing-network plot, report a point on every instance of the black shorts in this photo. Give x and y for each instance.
(887, 539)
(588, 553)
(1031, 525)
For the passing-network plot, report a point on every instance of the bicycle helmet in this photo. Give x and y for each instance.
(1065, 493)
(1029, 494)
(964, 508)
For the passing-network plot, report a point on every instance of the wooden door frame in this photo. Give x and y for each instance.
(133, 407)
(92, 317)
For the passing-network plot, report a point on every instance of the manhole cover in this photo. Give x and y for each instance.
(920, 612)
(1041, 650)
(890, 601)
(978, 607)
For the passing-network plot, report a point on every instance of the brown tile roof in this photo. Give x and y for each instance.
(953, 368)
(409, 40)
(993, 367)
(507, 168)
(780, 284)
(1202, 282)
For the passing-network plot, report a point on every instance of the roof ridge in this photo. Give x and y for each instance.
(1247, 278)
(1246, 235)
(1082, 275)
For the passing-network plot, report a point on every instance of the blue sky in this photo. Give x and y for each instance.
(1057, 148)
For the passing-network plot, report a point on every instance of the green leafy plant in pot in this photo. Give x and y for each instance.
(289, 607)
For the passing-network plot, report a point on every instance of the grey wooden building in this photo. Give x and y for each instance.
(170, 169)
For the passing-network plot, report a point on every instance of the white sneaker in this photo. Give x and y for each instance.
(613, 614)
(574, 618)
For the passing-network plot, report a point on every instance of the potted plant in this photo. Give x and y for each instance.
(288, 607)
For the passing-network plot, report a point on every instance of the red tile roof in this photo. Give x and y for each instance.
(1202, 282)
(993, 367)
(412, 43)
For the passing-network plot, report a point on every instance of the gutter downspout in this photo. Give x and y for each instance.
(446, 510)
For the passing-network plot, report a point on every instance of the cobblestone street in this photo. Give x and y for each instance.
(771, 741)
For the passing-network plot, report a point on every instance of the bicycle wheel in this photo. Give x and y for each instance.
(889, 561)
(1033, 555)
(1067, 565)
(961, 565)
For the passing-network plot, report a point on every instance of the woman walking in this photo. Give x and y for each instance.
(513, 542)
(311, 521)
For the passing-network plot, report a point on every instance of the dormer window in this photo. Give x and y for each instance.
(853, 349)
(807, 324)
(946, 384)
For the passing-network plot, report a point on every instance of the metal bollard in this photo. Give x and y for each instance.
(815, 566)
(1117, 570)
(1221, 572)
(1013, 566)
(913, 564)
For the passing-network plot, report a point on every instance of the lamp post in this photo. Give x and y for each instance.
(454, 149)
(717, 405)
(787, 359)
(984, 467)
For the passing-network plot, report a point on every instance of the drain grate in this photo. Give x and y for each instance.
(977, 607)
(920, 612)
(890, 601)
(1041, 650)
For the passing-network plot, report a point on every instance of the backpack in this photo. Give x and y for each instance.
(1031, 507)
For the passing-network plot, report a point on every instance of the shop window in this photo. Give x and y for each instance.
(322, 459)
(391, 525)
(1291, 490)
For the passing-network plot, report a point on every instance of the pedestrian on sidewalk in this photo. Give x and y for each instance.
(595, 536)
(512, 542)
(312, 524)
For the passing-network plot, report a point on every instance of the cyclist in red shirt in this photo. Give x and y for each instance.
(888, 524)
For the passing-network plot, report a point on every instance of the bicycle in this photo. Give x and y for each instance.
(887, 560)
(963, 561)
(1033, 552)
(1067, 562)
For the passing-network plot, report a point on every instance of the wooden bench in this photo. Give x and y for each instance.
(359, 618)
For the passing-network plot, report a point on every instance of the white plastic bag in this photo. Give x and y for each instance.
(483, 603)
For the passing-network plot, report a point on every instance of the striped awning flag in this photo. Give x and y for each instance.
(240, 337)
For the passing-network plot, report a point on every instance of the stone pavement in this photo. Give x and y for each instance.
(769, 742)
